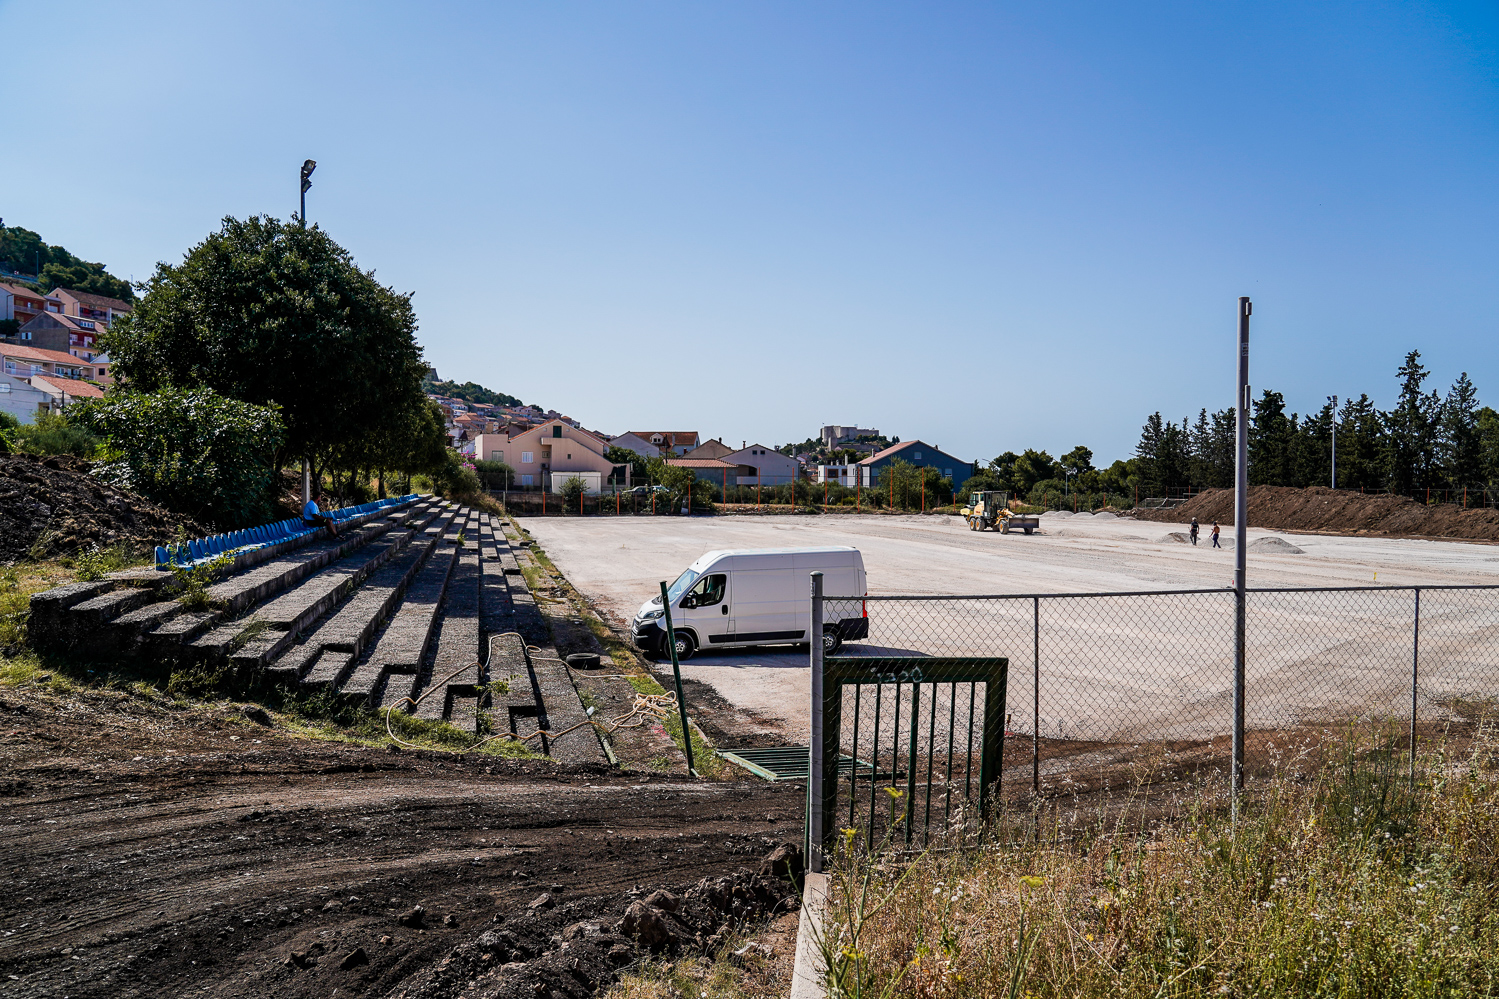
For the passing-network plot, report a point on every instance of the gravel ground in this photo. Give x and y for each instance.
(1114, 670)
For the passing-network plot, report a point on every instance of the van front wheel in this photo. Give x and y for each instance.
(685, 646)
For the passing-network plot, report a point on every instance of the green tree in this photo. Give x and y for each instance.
(1032, 467)
(1077, 461)
(191, 450)
(276, 313)
(1271, 437)
(639, 470)
(494, 474)
(1412, 429)
(1361, 445)
(25, 252)
(1487, 421)
(468, 391)
(1003, 468)
(1461, 446)
(1162, 455)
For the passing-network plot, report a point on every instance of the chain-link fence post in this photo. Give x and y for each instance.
(1036, 699)
(1415, 675)
(816, 818)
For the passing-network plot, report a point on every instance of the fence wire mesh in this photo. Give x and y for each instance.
(1118, 679)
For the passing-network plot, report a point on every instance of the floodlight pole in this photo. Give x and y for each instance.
(1241, 538)
(307, 167)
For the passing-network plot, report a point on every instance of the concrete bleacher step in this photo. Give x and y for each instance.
(237, 593)
(456, 643)
(251, 641)
(399, 649)
(351, 625)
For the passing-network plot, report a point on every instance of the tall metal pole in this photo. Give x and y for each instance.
(1241, 544)
(816, 820)
(676, 671)
(306, 181)
(1334, 442)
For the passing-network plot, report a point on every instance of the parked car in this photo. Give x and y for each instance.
(646, 490)
(755, 596)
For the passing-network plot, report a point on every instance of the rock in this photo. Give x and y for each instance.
(647, 925)
(620, 954)
(449, 920)
(301, 959)
(386, 940)
(331, 906)
(785, 861)
(354, 959)
(577, 931)
(256, 714)
(543, 901)
(663, 900)
(412, 917)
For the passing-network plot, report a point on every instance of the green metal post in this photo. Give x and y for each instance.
(676, 671)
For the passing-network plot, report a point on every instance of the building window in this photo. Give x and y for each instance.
(557, 430)
(947, 472)
(25, 334)
(918, 455)
(526, 457)
(497, 456)
(525, 480)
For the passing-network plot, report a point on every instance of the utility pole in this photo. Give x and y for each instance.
(1334, 441)
(1241, 544)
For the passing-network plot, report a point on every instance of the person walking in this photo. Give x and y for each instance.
(1215, 536)
(1193, 532)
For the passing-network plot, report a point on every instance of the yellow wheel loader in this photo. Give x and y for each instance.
(990, 511)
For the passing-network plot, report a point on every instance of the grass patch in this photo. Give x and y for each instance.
(1365, 879)
(718, 976)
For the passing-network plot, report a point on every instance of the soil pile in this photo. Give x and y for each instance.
(53, 505)
(1336, 511)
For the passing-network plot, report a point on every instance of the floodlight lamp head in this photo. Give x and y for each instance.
(307, 167)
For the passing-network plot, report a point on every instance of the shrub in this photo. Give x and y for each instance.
(56, 433)
(572, 491)
(494, 474)
(191, 450)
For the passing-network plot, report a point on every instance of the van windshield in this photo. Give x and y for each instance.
(682, 585)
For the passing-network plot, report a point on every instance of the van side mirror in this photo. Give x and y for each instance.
(688, 602)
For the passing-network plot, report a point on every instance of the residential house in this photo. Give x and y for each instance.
(548, 455)
(768, 467)
(67, 333)
(717, 471)
(64, 392)
(86, 305)
(656, 443)
(23, 304)
(714, 448)
(920, 454)
(23, 362)
(102, 365)
(21, 399)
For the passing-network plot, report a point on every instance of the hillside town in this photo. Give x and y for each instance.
(544, 448)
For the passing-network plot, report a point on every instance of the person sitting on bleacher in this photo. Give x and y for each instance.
(314, 517)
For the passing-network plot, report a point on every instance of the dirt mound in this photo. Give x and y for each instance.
(53, 505)
(1273, 545)
(1336, 511)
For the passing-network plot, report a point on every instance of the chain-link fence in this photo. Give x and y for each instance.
(1112, 683)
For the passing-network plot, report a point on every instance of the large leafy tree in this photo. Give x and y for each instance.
(273, 312)
(25, 252)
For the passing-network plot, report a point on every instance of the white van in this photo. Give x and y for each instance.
(754, 596)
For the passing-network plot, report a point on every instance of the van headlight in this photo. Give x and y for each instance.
(652, 615)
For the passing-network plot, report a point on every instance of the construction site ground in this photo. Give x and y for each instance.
(153, 849)
(761, 695)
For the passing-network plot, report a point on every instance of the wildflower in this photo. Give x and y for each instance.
(1032, 880)
(895, 793)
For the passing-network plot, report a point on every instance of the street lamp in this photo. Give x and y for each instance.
(307, 168)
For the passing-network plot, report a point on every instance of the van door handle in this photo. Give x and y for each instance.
(725, 608)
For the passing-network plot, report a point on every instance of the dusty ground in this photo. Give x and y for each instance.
(155, 852)
(1111, 670)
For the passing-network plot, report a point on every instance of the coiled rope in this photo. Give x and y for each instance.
(646, 706)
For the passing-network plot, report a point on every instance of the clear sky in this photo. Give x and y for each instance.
(991, 226)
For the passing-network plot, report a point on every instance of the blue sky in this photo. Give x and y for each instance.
(990, 226)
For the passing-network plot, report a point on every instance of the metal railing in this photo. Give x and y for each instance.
(1101, 679)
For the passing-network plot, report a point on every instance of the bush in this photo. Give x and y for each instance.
(56, 433)
(191, 450)
(494, 474)
(572, 491)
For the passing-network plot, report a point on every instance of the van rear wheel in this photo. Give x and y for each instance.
(685, 646)
(831, 641)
